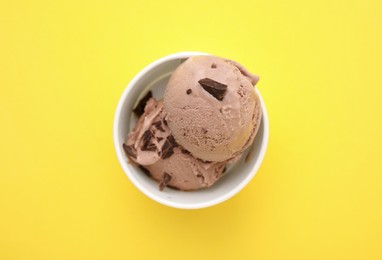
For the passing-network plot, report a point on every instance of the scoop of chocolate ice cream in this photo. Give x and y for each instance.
(212, 108)
(152, 146)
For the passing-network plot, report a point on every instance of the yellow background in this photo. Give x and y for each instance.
(63, 67)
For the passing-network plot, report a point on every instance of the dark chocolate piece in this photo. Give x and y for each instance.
(145, 171)
(158, 126)
(149, 147)
(225, 169)
(213, 66)
(168, 147)
(147, 144)
(167, 150)
(159, 139)
(147, 135)
(140, 108)
(130, 150)
(164, 121)
(166, 179)
(216, 89)
(172, 141)
(189, 91)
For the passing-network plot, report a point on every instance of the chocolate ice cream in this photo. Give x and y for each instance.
(152, 146)
(209, 115)
(212, 108)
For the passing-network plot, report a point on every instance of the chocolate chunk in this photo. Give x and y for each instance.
(145, 171)
(213, 66)
(130, 150)
(166, 179)
(184, 151)
(149, 147)
(189, 91)
(167, 150)
(147, 144)
(216, 89)
(140, 108)
(164, 121)
(147, 135)
(159, 139)
(172, 141)
(225, 169)
(158, 126)
(168, 147)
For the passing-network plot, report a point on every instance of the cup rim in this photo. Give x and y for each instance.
(147, 192)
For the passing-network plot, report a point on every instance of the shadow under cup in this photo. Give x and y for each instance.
(155, 77)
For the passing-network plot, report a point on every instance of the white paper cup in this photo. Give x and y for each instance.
(154, 77)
